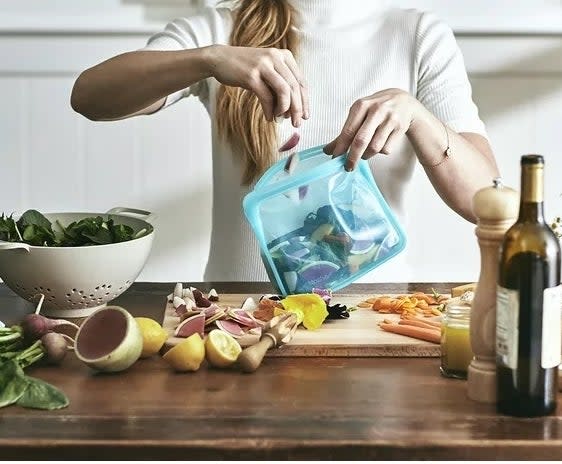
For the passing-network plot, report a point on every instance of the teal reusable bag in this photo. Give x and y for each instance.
(321, 226)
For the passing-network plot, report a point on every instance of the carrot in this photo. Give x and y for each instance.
(429, 335)
(435, 324)
(416, 323)
(364, 304)
(382, 303)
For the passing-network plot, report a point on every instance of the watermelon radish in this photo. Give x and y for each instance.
(231, 328)
(194, 324)
(242, 317)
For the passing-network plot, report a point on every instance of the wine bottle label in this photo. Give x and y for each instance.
(507, 327)
(551, 327)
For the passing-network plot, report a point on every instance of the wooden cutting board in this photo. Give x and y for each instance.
(358, 336)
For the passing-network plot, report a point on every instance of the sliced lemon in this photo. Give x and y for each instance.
(153, 336)
(221, 349)
(187, 355)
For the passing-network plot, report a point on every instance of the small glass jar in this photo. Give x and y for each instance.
(456, 352)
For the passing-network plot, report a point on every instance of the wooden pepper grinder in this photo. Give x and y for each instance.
(496, 209)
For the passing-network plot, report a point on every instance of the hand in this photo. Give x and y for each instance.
(374, 125)
(271, 73)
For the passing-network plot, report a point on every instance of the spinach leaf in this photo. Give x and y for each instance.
(42, 395)
(34, 217)
(36, 228)
(12, 382)
(8, 231)
(121, 232)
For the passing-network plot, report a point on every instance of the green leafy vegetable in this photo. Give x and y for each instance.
(8, 231)
(12, 383)
(35, 229)
(42, 395)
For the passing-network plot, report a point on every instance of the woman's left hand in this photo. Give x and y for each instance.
(374, 125)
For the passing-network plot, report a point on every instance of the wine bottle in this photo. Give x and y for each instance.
(529, 302)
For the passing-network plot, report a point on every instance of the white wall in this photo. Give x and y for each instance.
(53, 159)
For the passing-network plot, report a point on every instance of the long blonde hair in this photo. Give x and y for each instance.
(240, 118)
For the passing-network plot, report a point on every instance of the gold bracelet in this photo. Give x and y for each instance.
(446, 155)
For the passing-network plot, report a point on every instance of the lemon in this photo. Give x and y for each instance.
(187, 355)
(153, 336)
(221, 349)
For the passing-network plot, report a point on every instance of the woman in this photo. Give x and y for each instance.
(365, 77)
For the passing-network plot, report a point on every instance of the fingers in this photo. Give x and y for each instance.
(354, 120)
(295, 101)
(374, 125)
(265, 97)
(280, 89)
(278, 71)
(363, 139)
(292, 64)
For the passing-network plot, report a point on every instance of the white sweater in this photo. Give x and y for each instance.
(348, 50)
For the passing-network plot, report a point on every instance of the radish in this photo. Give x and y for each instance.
(35, 326)
(55, 347)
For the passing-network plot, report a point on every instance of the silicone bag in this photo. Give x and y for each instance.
(320, 226)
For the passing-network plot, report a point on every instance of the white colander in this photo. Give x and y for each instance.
(77, 280)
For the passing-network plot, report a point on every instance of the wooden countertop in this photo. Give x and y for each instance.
(291, 408)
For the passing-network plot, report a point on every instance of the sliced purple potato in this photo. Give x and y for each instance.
(317, 274)
(194, 324)
(231, 328)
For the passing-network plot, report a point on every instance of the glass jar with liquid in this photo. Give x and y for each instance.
(456, 352)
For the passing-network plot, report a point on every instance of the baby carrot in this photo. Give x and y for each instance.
(429, 335)
(416, 323)
(435, 324)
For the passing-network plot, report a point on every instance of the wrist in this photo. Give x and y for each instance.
(419, 115)
(210, 58)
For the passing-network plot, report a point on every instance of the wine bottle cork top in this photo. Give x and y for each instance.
(496, 202)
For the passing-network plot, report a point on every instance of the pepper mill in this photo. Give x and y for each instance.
(496, 209)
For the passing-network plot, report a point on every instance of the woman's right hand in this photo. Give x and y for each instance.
(271, 73)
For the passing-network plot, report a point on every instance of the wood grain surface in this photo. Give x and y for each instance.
(358, 336)
(321, 408)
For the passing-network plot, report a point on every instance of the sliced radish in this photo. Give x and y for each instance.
(210, 311)
(178, 290)
(291, 143)
(231, 328)
(194, 324)
(180, 310)
(242, 317)
(249, 304)
(200, 300)
(212, 295)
